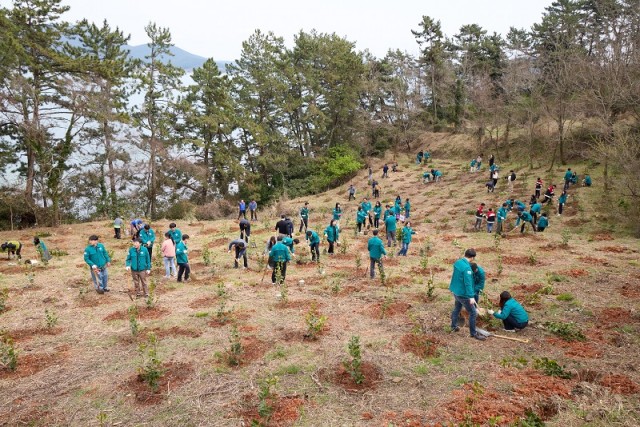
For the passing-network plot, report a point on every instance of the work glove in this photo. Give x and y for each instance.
(149, 243)
(127, 268)
(490, 311)
(473, 301)
(148, 271)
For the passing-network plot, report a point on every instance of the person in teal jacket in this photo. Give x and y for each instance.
(377, 211)
(407, 233)
(148, 237)
(543, 223)
(526, 218)
(366, 207)
(561, 201)
(332, 233)
(512, 314)
(376, 252)
(407, 209)
(388, 212)
(98, 260)
(479, 278)
(289, 243)
(426, 177)
(587, 181)
(567, 179)
(42, 250)
(361, 218)
(182, 258)
(502, 217)
(139, 262)
(462, 288)
(535, 211)
(314, 245)
(397, 207)
(280, 255)
(176, 234)
(390, 226)
(304, 217)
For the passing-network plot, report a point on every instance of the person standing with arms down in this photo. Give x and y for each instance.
(242, 209)
(175, 233)
(332, 233)
(377, 211)
(168, 250)
(561, 202)
(376, 253)
(463, 293)
(502, 218)
(182, 258)
(304, 217)
(117, 227)
(139, 262)
(352, 192)
(253, 210)
(390, 228)
(98, 260)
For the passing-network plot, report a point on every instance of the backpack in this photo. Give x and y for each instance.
(513, 176)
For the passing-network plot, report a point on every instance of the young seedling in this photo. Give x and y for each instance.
(4, 295)
(221, 291)
(51, 319)
(354, 366)
(551, 368)
(335, 287)
(134, 325)
(315, 323)
(30, 275)
(206, 255)
(265, 396)
(358, 261)
(8, 353)
(150, 369)
(234, 354)
(151, 298)
(566, 236)
(430, 286)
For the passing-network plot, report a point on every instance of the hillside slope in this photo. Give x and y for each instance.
(416, 371)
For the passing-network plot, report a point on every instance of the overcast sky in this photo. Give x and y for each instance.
(218, 28)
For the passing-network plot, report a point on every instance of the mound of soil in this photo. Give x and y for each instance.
(301, 305)
(285, 411)
(620, 384)
(204, 302)
(602, 237)
(229, 317)
(613, 317)
(528, 289)
(176, 331)
(575, 272)
(175, 374)
(426, 271)
(26, 334)
(630, 291)
(342, 378)
(379, 311)
(421, 345)
(144, 313)
(615, 249)
(578, 349)
(517, 260)
(30, 364)
(477, 407)
(594, 261)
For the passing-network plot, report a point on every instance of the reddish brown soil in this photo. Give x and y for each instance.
(576, 222)
(143, 314)
(340, 377)
(12, 269)
(485, 250)
(204, 302)
(529, 383)
(218, 242)
(175, 374)
(615, 249)
(450, 237)
(349, 289)
(302, 305)
(585, 350)
(230, 317)
(614, 317)
(449, 261)
(176, 331)
(594, 261)
(620, 384)
(602, 237)
(479, 407)
(94, 301)
(421, 345)
(30, 364)
(516, 260)
(630, 291)
(377, 311)
(426, 271)
(285, 412)
(25, 334)
(575, 272)
(528, 289)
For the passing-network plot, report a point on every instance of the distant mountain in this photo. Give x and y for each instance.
(181, 58)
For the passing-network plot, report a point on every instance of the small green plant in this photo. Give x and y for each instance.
(222, 314)
(150, 369)
(206, 255)
(565, 297)
(386, 304)
(566, 237)
(221, 291)
(8, 353)
(58, 252)
(531, 420)
(42, 234)
(551, 368)
(555, 277)
(82, 292)
(533, 259)
(4, 295)
(266, 396)
(354, 366)
(111, 252)
(500, 266)
(284, 292)
(51, 319)
(102, 418)
(234, 354)
(430, 286)
(315, 323)
(201, 314)
(514, 362)
(278, 275)
(358, 261)
(344, 246)
(151, 297)
(566, 331)
(383, 277)
(134, 325)
(320, 268)
(335, 287)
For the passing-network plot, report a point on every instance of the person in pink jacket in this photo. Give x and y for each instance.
(168, 256)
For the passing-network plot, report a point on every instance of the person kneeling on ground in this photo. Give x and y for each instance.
(42, 250)
(513, 315)
(543, 223)
(12, 248)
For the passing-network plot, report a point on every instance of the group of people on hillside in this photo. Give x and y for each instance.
(14, 248)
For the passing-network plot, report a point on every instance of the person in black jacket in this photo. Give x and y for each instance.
(281, 226)
(241, 251)
(245, 229)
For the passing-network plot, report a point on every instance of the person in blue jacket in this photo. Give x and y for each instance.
(139, 262)
(462, 288)
(242, 209)
(376, 253)
(513, 315)
(314, 245)
(543, 223)
(479, 277)
(148, 237)
(98, 260)
(407, 233)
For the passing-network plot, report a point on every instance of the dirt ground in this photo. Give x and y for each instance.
(222, 334)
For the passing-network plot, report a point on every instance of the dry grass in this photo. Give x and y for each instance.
(91, 358)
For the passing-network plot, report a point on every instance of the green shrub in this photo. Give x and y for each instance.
(551, 368)
(354, 366)
(566, 331)
(150, 369)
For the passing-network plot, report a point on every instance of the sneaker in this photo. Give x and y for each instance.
(510, 330)
(106, 289)
(100, 291)
(456, 329)
(479, 337)
(138, 296)
(166, 277)
(146, 295)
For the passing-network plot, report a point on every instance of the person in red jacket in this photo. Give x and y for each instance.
(479, 217)
(548, 195)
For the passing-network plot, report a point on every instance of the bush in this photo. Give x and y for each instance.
(214, 210)
(182, 209)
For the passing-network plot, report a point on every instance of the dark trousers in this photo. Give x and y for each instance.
(244, 235)
(537, 193)
(376, 222)
(315, 251)
(510, 323)
(282, 267)
(117, 232)
(241, 253)
(372, 266)
(524, 223)
(331, 247)
(242, 214)
(150, 250)
(560, 206)
(254, 215)
(359, 227)
(376, 193)
(304, 222)
(535, 217)
(183, 269)
(351, 196)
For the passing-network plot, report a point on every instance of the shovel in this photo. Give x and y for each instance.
(489, 334)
